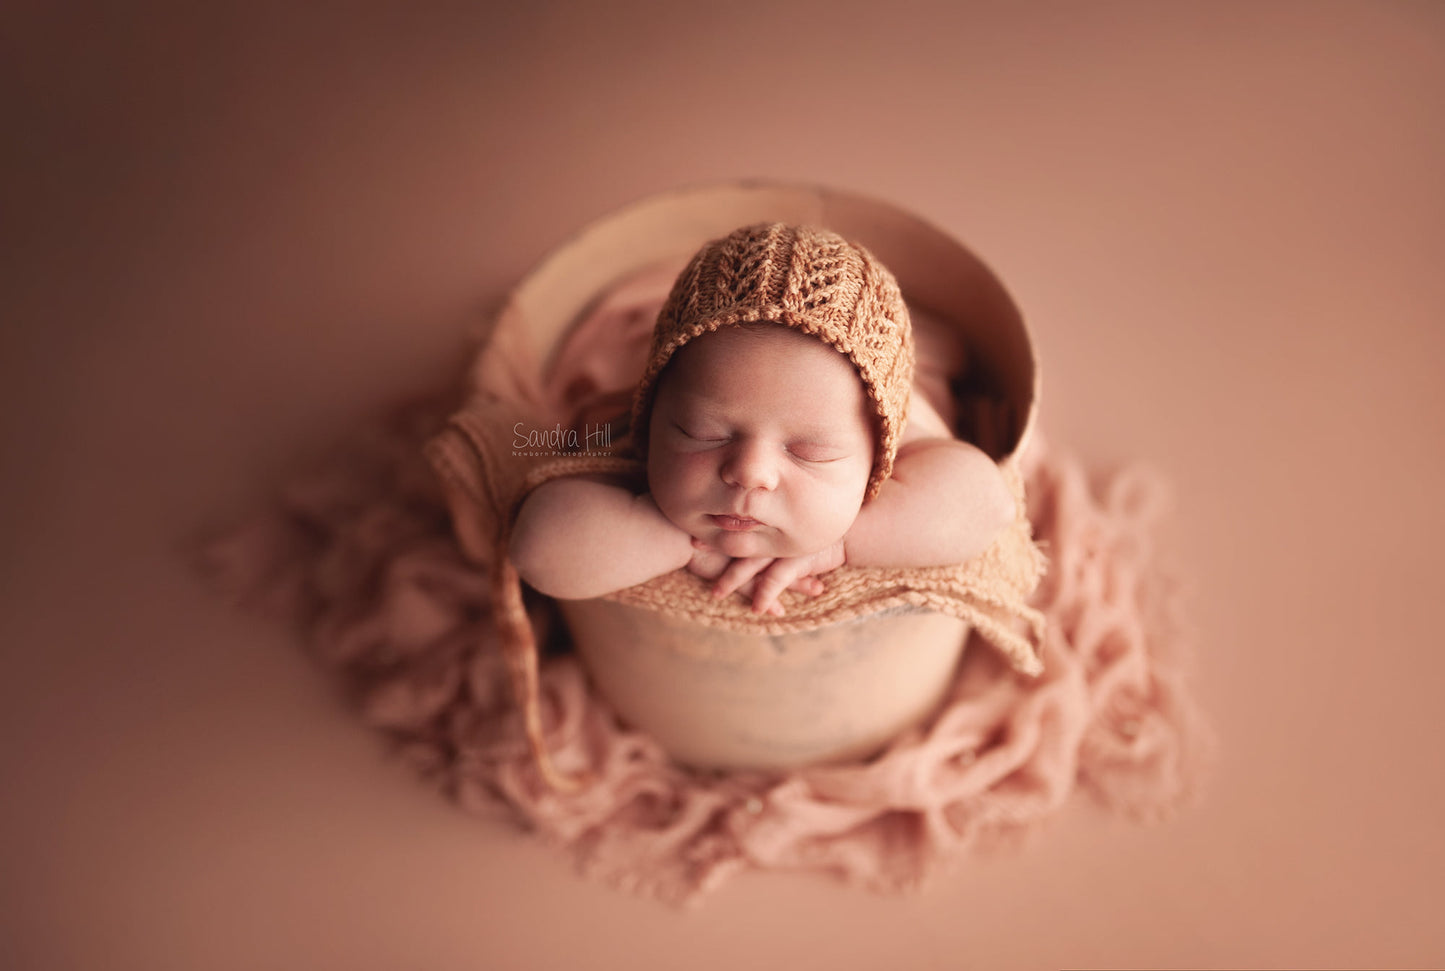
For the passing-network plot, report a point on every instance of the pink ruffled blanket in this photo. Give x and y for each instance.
(358, 554)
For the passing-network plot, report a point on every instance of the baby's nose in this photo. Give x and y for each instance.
(750, 465)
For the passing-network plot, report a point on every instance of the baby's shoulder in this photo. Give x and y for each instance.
(924, 420)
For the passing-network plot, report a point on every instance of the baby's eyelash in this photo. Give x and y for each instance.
(799, 452)
(807, 452)
(698, 438)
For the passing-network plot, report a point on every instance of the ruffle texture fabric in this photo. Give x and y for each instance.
(357, 554)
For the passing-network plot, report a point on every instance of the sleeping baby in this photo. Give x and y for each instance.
(782, 439)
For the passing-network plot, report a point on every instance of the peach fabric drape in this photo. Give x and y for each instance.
(358, 554)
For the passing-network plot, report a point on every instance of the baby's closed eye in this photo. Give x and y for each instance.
(816, 451)
(701, 433)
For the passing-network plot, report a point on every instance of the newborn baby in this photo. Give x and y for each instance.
(781, 436)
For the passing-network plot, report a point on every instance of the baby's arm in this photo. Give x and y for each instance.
(945, 503)
(583, 537)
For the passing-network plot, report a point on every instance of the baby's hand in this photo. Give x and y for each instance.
(764, 578)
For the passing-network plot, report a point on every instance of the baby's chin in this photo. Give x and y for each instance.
(743, 544)
(762, 542)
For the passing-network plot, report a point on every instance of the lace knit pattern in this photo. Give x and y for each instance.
(811, 280)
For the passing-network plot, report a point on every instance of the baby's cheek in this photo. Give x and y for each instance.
(676, 483)
(695, 473)
(834, 512)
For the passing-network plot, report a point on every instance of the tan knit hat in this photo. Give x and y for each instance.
(802, 277)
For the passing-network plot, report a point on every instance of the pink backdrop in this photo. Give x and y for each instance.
(232, 232)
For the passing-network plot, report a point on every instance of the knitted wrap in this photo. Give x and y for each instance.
(812, 281)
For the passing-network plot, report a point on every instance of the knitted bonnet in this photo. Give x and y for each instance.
(812, 281)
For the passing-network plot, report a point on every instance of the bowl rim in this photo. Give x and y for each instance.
(936, 271)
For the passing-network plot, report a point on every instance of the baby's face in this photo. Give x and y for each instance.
(761, 442)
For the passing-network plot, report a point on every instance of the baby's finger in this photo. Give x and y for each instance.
(738, 572)
(769, 587)
(808, 586)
